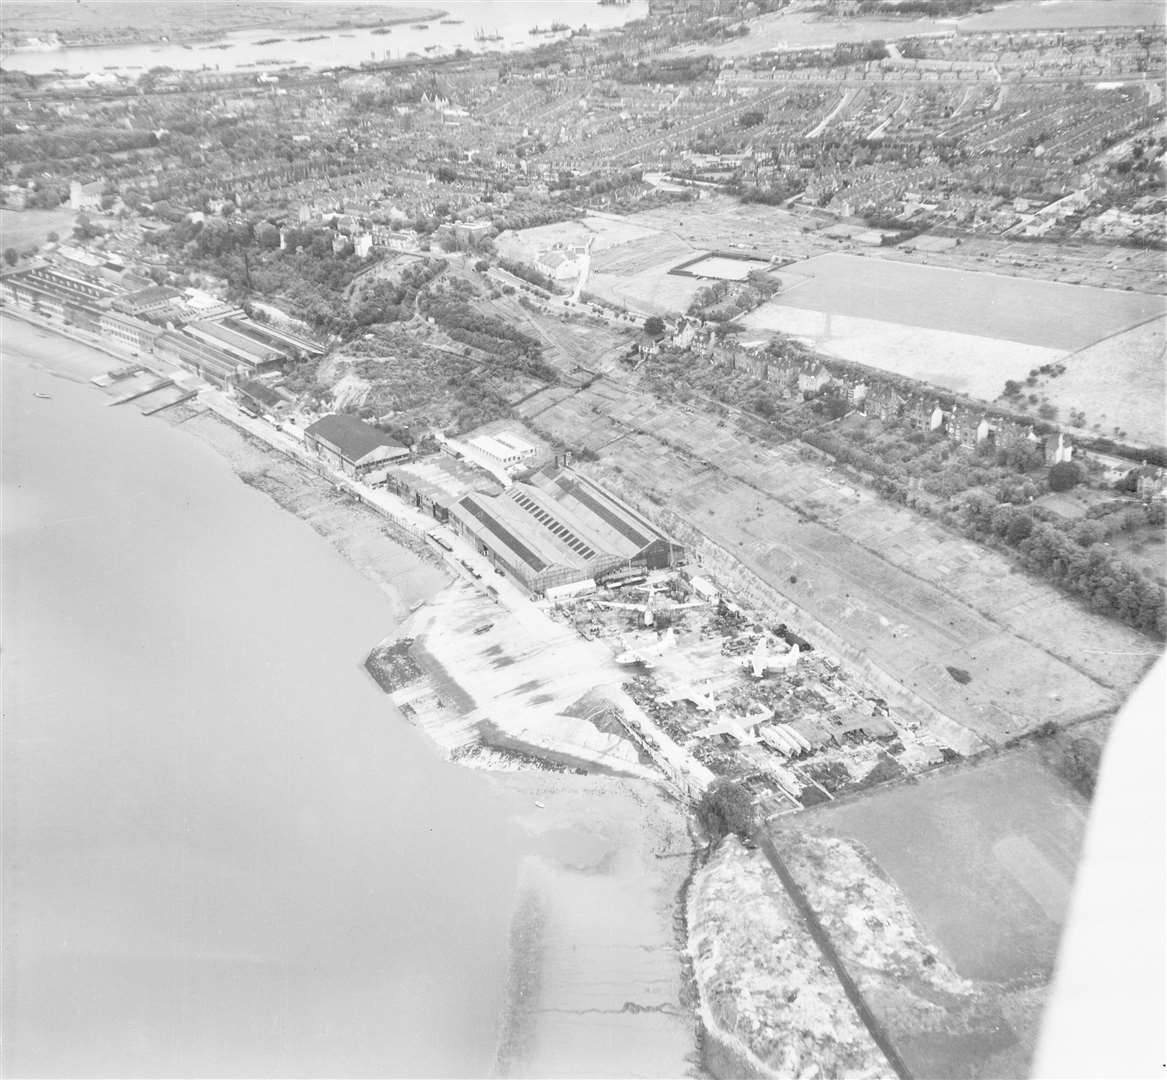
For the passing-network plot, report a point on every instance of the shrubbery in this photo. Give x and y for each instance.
(726, 807)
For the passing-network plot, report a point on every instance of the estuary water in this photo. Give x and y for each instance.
(224, 854)
(473, 25)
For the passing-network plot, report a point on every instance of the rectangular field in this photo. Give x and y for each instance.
(724, 268)
(966, 363)
(1046, 314)
(986, 856)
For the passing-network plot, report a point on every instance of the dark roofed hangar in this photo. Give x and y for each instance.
(351, 445)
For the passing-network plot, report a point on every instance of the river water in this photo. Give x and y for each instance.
(509, 20)
(224, 853)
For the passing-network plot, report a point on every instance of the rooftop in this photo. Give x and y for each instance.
(352, 437)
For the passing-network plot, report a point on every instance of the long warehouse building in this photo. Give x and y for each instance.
(559, 527)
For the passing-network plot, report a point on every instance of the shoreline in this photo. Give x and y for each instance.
(595, 917)
(195, 37)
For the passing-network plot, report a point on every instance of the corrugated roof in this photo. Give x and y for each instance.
(352, 437)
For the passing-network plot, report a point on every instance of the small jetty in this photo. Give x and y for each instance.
(150, 391)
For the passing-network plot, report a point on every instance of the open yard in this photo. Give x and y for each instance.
(984, 857)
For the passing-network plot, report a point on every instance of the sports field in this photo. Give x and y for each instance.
(725, 269)
(1043, 313)
(970, 331)
(966, 363)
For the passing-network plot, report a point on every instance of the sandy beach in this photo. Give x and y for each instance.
(597, 982)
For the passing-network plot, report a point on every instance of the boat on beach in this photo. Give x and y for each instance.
(43, 397)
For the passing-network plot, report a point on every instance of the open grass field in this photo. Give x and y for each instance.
(21, 229)
(1119, 381)
(970, 331)
(965, 363)
(651, 292)
(980, 862)
(985, 854)
(902, 592)
(1047, 314)
(604, 231)
(1104, 266)
(718, 221)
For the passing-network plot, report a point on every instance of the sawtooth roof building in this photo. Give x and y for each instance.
(559, 527)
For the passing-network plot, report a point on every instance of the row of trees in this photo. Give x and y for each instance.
(308, 273)
(721, 301)
(527, 273)
(1072, 556)
(1077, 565)
(488, 334)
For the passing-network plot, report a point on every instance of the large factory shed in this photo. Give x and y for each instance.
(559, 527)
(433, 484)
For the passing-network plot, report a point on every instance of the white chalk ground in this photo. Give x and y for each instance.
(965, 363)
(522, 675)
